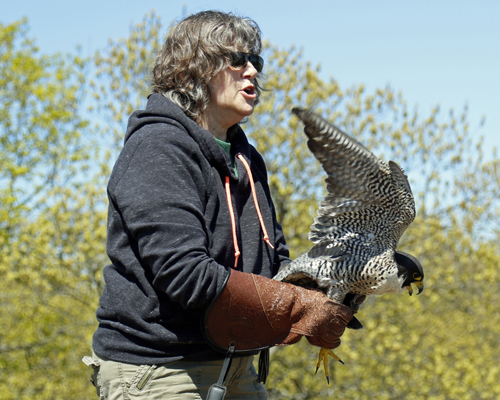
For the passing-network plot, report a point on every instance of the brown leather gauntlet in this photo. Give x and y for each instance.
(256, 312)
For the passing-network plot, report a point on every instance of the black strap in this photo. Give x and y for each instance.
(263, 365)
(217, 391)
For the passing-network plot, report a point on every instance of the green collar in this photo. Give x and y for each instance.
(226, 146)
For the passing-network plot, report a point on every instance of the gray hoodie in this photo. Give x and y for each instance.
(170, 237)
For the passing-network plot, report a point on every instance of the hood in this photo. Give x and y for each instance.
(159, 109)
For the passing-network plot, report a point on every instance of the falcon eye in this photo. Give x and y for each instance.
(417, 277)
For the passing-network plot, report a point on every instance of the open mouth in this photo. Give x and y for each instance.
(249, 90)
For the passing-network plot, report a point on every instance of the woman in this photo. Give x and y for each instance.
(190, 220)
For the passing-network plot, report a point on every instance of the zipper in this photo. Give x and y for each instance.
(146, 377)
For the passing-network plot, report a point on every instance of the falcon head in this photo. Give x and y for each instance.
(412, 271)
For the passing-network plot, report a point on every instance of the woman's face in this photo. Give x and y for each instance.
(232, 95)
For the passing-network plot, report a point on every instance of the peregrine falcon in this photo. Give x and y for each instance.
(368, 207)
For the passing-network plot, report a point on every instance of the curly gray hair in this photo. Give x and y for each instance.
(197, 49)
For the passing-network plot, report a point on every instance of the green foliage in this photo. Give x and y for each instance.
(51, 278)
(38, 113)
(52, 232)
(439, 345)
(123, 74)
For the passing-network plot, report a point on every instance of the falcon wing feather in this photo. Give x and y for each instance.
(357, 180)
(348, 164)
(400, 176)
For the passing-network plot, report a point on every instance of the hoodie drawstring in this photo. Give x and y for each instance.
(255, 200)
(257, 208)
(233, 223)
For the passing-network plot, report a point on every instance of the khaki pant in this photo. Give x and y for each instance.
(176, 380)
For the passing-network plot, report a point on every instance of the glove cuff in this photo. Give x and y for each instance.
(237, 316)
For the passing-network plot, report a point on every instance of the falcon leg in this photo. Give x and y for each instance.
(323, 356)
(354, 301)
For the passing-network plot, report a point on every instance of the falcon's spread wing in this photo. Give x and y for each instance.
(368, 207)
(357, 181)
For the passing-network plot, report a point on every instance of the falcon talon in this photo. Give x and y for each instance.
(323, 356)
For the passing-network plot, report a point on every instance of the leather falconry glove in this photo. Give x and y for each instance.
(253, 313)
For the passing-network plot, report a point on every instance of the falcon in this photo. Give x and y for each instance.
(368, 206)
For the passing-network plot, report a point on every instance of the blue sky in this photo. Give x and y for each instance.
(443, 52)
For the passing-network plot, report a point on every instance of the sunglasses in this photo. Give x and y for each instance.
(239, 59)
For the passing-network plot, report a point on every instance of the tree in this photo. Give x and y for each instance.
(51, 227)
(123, 74)
(40, 127)
(52, 280)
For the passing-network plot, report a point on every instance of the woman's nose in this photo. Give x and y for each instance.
(249, 71)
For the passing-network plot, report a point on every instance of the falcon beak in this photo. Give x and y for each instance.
(419, 285)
